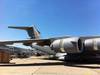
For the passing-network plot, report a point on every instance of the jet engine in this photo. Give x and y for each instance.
(68, 45)
(92, 44)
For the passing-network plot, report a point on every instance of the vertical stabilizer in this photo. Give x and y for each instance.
(33, 32)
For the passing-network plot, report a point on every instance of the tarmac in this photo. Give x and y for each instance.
(42, 66)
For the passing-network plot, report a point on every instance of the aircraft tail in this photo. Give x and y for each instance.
(33, 32)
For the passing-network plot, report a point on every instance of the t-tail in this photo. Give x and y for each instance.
(33, 32)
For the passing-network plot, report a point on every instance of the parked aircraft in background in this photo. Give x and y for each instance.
(17, 51)
(76, 48)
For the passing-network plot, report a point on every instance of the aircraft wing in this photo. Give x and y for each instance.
(41, 42)
(30, 41)
(25, 42)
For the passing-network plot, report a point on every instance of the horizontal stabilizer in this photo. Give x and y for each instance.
(23, 28)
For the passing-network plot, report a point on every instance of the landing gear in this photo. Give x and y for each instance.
(38, 54)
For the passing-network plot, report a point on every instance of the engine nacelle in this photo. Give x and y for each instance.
(92, 44)
(68, 45)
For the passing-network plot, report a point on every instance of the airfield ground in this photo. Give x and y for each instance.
(40, 66)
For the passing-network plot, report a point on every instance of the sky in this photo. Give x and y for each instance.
(52, 17)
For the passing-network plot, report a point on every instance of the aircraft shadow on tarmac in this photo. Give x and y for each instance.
(84, 64)
(81, 64)
(36, 64)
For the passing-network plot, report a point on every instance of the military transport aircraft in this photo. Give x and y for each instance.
(76, 48)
